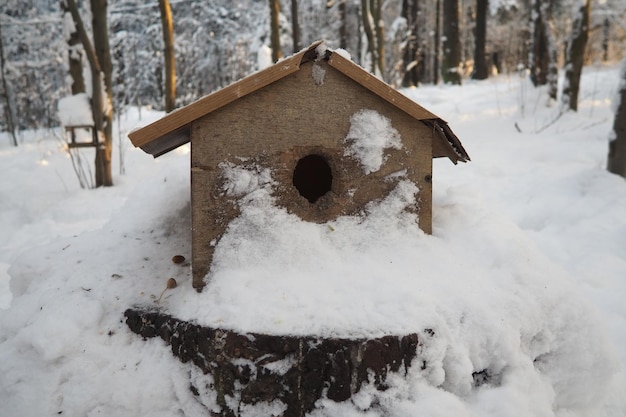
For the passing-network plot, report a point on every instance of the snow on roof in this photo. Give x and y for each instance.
(75, 110)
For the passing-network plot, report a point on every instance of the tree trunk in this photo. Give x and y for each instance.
(295, 26)
(617, 145)
(369, 33)
(8, 108)
(437, 55)
(606, 29)
(343, 29)
(450, 70)
(481, 72)
(370, 28)
(167, 23)
(379, 31)
(553, 67)
(538, 54)
(576, 55)
(410, 11)
(275, 30)
(101, 108)
(75, 56)
(542, 52)
(101, 46)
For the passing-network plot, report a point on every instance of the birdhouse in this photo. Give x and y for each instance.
(333, 136)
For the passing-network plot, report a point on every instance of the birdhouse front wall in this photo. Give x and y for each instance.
(296, 127)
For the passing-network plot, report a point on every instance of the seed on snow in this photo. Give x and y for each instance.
(178, 259)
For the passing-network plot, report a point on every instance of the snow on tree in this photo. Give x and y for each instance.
(34, 65)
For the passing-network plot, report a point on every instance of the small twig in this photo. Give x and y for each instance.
(589, 126)
(561, 113)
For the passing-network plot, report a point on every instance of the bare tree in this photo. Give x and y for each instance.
(75, 54)
(379, 30)
(368, 28)
(8, 108)
(450, 69)
(167, 23)
(371, 13)
(99, 26)
(606, 29)
(542, 54)
(343, 28)
(576, 55)
(410, 12)
(275, 30)
(101, 98)
(437, 46)
(617, 145)
(538, 52)
(295, 26)
(481, 71)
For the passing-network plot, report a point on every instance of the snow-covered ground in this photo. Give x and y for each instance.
(523, 280)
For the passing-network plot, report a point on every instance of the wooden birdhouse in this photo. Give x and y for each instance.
(314, 120)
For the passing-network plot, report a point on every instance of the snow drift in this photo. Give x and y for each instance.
(520, 287)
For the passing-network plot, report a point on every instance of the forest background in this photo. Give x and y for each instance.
(564, 207)
(217, 42)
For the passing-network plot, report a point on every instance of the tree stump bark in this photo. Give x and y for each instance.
(297, 371)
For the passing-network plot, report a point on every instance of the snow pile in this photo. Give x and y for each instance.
(318, 73)
(369, 135)
(517, 295)
(264, 57)
(75, 110)
(239, 181)
(514, 320)
(345, 54)
(321, 50)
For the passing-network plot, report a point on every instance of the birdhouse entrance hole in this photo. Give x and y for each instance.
(312, 177)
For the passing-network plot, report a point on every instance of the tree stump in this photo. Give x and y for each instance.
(295, 370)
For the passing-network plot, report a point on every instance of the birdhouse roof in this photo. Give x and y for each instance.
(174, 129)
